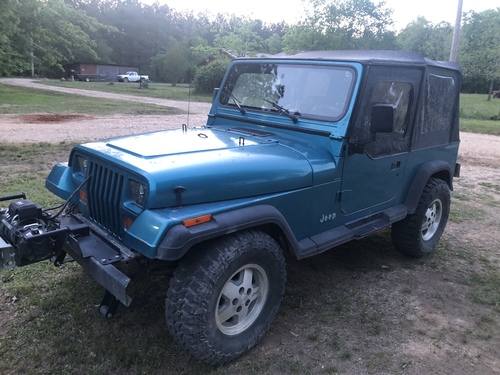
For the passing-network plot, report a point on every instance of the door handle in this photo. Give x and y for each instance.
(395, 165)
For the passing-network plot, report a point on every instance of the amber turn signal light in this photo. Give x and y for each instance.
(83, 196)
(127, 222)
(197, 220)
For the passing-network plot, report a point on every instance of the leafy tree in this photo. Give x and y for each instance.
(432, 41)
(480, 52)
(307, 35)
(171, 66)
(44, 34)
(274, 44)
(341, 24)
(238, 36)
(142, 31)
(178, 46)
(10, 60)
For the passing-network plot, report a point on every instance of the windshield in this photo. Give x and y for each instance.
(297, 91)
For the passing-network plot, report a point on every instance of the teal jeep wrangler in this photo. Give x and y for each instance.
(299, 154)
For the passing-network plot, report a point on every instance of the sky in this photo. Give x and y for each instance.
(290, 11)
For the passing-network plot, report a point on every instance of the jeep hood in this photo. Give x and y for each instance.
(207, 165)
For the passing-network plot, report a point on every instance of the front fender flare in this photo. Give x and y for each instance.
(179, 239)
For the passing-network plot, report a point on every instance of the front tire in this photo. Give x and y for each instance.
(418, 234)
(223, 299)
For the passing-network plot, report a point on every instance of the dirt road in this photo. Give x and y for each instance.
(22, 128)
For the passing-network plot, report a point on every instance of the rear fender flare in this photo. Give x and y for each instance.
(435, 168)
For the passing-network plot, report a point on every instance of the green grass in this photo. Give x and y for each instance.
(24, 167)
(155, 90)
(477, 115)
(477, 106)
(461, 212)
(14, 100)
(480, 126)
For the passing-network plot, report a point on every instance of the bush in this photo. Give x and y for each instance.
(210, 76)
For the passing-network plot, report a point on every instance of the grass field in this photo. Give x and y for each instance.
(15, 100)
(155, 90)
(477, 115)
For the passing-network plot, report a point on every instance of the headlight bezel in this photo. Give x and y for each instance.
(138, 192)
(81, 165)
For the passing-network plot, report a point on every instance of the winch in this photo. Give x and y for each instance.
(26, 233)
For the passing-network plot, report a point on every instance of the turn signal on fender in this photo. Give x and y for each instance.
(197, 220)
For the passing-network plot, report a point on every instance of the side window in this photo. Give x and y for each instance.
(437, 120)
(398, 94)
(439, 94)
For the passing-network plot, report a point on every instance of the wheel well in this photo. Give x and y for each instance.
(445, 176)
(278, 235)
(437, 169)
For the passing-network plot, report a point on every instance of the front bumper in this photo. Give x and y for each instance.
(101, 257)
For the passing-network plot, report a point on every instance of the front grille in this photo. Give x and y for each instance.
(103, 196)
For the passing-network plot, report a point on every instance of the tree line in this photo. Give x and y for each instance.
(174, 47)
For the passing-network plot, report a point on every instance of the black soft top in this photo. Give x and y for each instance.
(370, 57)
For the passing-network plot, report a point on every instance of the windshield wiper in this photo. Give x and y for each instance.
(283, 110)
(236, 101)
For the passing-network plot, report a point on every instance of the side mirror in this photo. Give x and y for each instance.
(382, 118)
(382, 121)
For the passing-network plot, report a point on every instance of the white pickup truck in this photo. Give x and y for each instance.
(132, 77)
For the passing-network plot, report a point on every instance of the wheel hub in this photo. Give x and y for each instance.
(242, 299)
(432, 219)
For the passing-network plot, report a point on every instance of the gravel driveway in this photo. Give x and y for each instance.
(474, 148)
(22, 128)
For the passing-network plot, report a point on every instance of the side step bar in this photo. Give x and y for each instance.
(355, 230)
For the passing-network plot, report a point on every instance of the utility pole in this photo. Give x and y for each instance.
(456, 33)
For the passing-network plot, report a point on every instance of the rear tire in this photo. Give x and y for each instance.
(223, 299)
(125, 79)
(418, 234)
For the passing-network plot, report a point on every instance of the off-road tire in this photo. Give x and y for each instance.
(211, 281)
(418, 234)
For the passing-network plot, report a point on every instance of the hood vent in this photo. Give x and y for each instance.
(253, 132)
